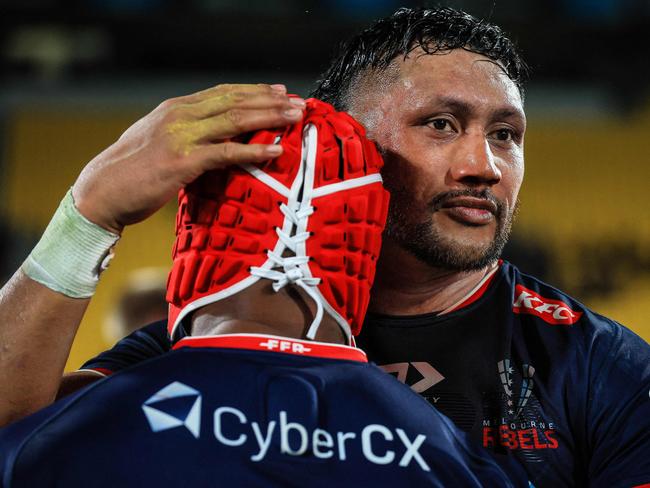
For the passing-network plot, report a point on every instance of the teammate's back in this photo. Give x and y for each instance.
(206, 415)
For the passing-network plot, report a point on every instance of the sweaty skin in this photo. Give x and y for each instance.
(451, 122)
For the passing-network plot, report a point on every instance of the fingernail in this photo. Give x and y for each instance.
(297, 101)
(274, 150)
(293, 113)
(279, 88)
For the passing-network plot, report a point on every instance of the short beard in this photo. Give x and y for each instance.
(427, 244)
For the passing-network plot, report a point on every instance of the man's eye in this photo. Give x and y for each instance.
(504, 135)
(440, 124)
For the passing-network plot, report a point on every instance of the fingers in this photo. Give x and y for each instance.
(216, 156)
(185, 137)
(239, 121)
(223, 89)
(226, 111)
(222, 102)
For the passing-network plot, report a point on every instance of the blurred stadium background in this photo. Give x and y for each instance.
(75, 74)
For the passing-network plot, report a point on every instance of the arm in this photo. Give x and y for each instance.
(168, 148)
(142, 344)
(36, 334)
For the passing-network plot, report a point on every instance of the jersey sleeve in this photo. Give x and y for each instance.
(619, 409)
(148, 342)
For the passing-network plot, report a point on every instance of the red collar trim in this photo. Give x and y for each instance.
(285, 345)
(477, 292)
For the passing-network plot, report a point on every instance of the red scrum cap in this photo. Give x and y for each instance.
(312, 218)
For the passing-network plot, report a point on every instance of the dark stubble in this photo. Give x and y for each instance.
(414, 230)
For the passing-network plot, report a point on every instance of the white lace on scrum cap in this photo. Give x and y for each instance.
(293, 269)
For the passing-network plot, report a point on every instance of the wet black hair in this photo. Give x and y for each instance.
(433, 30)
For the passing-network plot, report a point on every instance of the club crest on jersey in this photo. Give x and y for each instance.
(527, 383)
(521, 426)
(549, 310)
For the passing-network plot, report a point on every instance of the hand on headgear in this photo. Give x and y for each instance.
(310, 218)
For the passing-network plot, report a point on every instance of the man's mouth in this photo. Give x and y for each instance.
(470, 210)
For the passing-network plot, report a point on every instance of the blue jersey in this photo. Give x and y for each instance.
(527, 371)
(245, 410)
(532, 374)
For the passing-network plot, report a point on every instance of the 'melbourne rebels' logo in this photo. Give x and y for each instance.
(549, 310)
(521, 426)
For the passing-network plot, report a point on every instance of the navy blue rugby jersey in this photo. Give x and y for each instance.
(147, 342)
(532, 374)
(245, 410)
(526, 370)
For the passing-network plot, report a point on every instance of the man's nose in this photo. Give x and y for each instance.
(474, 163)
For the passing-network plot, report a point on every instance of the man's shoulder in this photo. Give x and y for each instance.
(593, 366)
(558, 313)
(536, 296)
(145, 343)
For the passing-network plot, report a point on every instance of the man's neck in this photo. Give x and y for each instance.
(260, 310)
(404, 285)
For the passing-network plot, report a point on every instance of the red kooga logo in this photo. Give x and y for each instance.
(549, 310)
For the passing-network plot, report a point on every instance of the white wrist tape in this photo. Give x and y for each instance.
(72, 252)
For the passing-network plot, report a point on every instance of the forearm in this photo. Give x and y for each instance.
(37, 328)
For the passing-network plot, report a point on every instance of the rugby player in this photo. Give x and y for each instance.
(527, 370)
(264, 391)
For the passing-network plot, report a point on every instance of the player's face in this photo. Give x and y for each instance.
(452, 129)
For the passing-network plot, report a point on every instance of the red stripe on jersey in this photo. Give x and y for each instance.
(478, 293)
(104, 371)
(286, 345)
